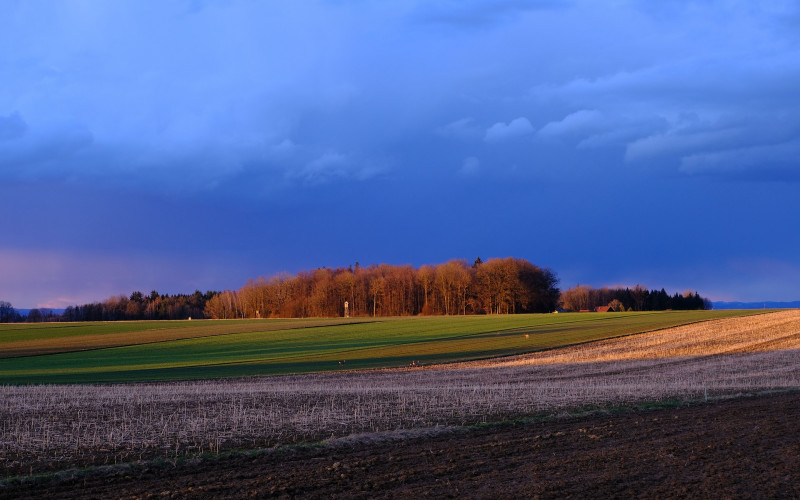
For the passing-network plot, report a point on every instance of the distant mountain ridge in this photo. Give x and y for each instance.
(757, 305)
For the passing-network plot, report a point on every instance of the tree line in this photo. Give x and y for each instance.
(8, 314)
(497, 286)
(638, 298)
(138, 306)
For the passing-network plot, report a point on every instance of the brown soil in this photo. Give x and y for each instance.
(742, 448)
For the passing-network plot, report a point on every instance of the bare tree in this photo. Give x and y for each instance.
(7, 312)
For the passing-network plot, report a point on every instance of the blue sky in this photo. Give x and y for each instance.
(175, 145)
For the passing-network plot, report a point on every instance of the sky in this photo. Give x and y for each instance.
(175, 145)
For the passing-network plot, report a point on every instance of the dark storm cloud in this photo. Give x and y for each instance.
(694, 114)
(47, 153)
(309, 133)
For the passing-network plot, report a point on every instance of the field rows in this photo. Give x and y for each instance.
(141, 351)
(52, 338)
(49, 426)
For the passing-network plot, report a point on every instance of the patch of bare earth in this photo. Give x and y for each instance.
(739, 448)
(54, 427)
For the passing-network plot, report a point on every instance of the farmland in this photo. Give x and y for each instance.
(179, 350)
(737, 448)
(362, 417)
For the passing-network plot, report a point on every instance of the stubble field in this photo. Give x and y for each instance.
(737, 448)
(54, 427)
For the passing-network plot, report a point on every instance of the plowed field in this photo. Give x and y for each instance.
(741, 448)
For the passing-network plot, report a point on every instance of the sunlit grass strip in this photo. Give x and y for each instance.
(36, 339)
(323, 345)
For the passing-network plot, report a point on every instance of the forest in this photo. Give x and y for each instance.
(638, 298)
(497, 286)
(139, 306)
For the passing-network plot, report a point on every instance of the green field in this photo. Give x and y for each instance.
(55, 353)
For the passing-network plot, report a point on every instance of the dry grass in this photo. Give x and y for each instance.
(766, 332)
(49, 426)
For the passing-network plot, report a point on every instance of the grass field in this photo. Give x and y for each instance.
(145, 351)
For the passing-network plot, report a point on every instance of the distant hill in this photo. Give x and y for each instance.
(757, 305)
(25, 312)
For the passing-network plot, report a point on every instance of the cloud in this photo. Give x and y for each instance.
(481, 12)
(174, 97)
(677, 143)
(692, 135)
(700, 83)
(500, 131)
(49, 151)
(591, 128)
(284, 148)
(12, 127)
(328, 166)
(579, 122)
(332, 165)
(465, 128)
(688, 113)
(774, 160)
(623, 133)
(470, 166)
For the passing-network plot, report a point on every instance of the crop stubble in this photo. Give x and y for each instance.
(737, 448)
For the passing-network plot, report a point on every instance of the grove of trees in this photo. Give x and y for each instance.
(497, 286)
(139, 306)
(7, 313)
(638, 298)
